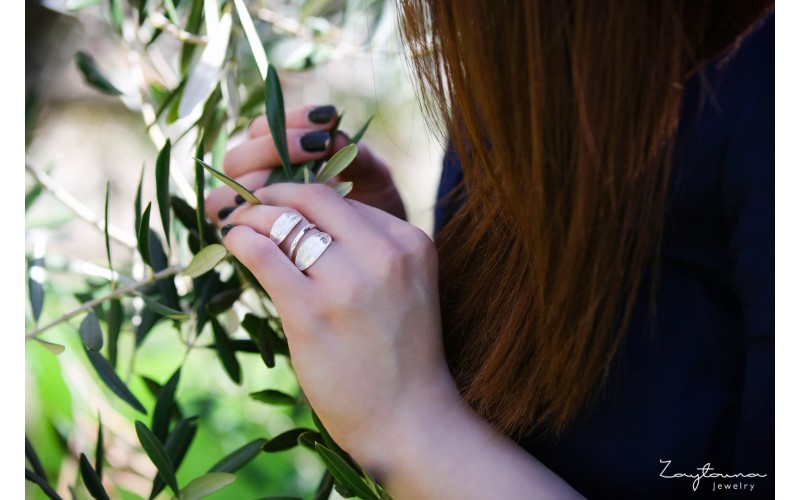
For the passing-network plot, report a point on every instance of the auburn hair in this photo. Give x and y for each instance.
(563, 113)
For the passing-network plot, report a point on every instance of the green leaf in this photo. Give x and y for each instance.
(325, 486)
(284, 441)
(204, 75)
(99, 450)
(42, 483)
(310, 439)
(143, 235)
(33, 458)
(239, 457)
(360, 133)
(114, 322)
(76, 5)
(241, 190)
(192, 26)
(158, 455)
(273, 397)
(137, 204)
(162, 187)
(50, 346)
(330, 443)
(32, 195)
(338, 162)
(165, 401)
(252, 37)
(105, 230)
(109, 376)
(36, 276)
(199, 187)
(223, 301)
(92, 480)
(164, 310)
(260, 331)
(276, 117)
(343, 188)
(177, 444)
(91, 334)
(92, 74)
(116, 14)
(345, 474)
(225, 351)
(205, 260)
(206, 484)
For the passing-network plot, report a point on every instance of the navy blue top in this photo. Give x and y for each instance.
(700, 389)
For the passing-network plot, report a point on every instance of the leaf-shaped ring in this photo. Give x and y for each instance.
(311, 249)
(283, 226)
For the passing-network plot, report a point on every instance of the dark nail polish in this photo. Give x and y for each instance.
(239, 199)
(315, 142)
(226, 229)
(225, 212)
(322, 114)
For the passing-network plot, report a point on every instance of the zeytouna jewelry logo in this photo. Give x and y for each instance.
(706, 472)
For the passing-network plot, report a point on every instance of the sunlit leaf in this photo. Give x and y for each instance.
(164, 310)
(343, 188)
(165, 401)
(252, 37)
(239, 457)
(276, 117)
(50, 346)
(225, 351)
(32, 195)
(192, 26)
(110, 378)
(206, 484)
(91, 334)
(360, 133)
(338, 162)
(284, 441)
(241, 190)
(205, 74)
(162, 186)
(273, 397)
(345, 474)
(143, 235)
(92, 74)
(158, 455)
(205, 260)
(92, 480)
(105, 230)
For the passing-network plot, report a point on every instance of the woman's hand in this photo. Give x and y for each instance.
(308, 138)
(363, 322)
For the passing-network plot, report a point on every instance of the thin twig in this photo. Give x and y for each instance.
(76, 206)
(160, 21)
(164, 273)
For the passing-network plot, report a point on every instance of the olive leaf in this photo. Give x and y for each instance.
(165, 401)
(225, 351)
(284, 441)
(158, 455)
(338, 162)
(162, 186)
(50, 346)
(177, 444)
(357, 137)
(112, 380)
(92, 74)
(99, 450)
(241, 190)
(143, 235)
(91, 334)
(163, 310)
(205, 260)
(200, 185)
(276, 117)
(252, 37)
(105, 231)
(114, 323)
(345, 474)
(273, 397)
(205, 485)
(239, 457)
(92, 480)
(343, 188)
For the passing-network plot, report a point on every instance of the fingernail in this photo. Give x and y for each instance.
(239, 199)
(322, 114)
(226, 229)
(225, 212)
(315, 142)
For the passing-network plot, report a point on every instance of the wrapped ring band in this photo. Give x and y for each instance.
(299, 237)
(311, 249)
(283, 226)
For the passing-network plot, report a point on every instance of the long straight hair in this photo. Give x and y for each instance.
(563, 113)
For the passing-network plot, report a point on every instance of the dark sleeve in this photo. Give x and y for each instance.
(749, 197)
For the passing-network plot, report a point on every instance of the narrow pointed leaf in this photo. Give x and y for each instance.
(91, 334)
(114, 322)
(75, 5)
(164, 310)
(116, 14)
(137, 203)
(204, 75)
(330, 443)
(105, 231)
(143, 235)
(259, 331)
(99, 450)
(158, 455)
(252, 37)
(225, 351)
(159, 262)
(109, 376)
(162, 187)
(33, 458)
(50, 346)
(345, 474)
(205, 260)
(206, 484)
(241, 190)
(92, 480)
(310, 439)
(92, 74)
(192, 26)
(200, 186)
(38, 480)
(343, 188)
(223, 301)
(36, 277)
(239, 457)
(360, 133)
(284, 441)
(325, 486)
(165, 400)
(276, 117)
(273, 397)
(178, 442)
(338, 162)
(149, 319)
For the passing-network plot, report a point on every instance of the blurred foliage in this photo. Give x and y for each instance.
(140, 367)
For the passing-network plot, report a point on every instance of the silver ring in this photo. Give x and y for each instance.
(283, 226)
(297, 238)
(311, 249)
